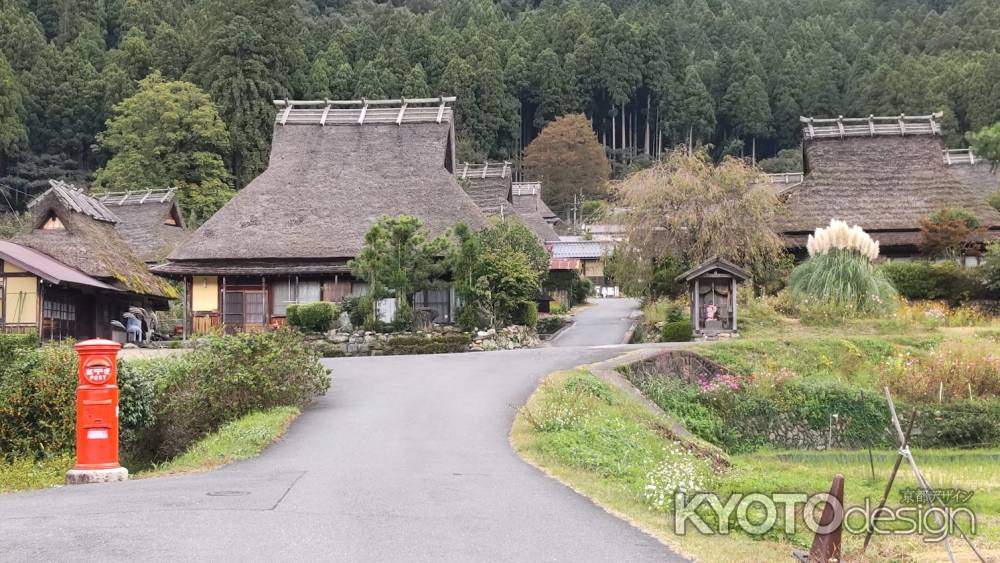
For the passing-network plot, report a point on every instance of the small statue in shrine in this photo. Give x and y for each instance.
(710, 311)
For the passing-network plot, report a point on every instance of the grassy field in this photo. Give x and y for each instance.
(607, 446)
(241, 439)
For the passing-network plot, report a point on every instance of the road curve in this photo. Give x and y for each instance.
(406, 459)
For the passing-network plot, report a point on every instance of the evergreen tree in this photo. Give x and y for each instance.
(13, 135)
(695, 112)
(415, 85)
(244, 90)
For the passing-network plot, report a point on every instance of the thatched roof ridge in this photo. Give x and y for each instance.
(363, 111)
(880, 183)
(843, 127)
(72, 198)
(484, 170)
(91, 245)
(142, 219)
(325, 186)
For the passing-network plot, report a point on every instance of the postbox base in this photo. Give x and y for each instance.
(86, 476)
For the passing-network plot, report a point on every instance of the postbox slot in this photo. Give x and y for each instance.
(92, 403)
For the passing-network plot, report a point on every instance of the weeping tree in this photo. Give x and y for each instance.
(686, 209)
(398, 259)
(840, 279)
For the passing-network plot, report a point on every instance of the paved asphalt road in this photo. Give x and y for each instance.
(604, 322)
(406, 459)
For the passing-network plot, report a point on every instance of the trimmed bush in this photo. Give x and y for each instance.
(312, 317)
(137, 399)
(444, 344)
(677, 331)
(11, 343)
(920, 279)
(527, 314)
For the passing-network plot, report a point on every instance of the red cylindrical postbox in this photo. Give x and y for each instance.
(97, 407)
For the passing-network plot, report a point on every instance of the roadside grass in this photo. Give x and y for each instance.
(607, 446)
(24, 474)
(240, 439)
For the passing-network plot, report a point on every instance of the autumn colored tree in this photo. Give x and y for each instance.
(949, 233)
(568, 160)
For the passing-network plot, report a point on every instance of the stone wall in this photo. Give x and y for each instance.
(337, 343)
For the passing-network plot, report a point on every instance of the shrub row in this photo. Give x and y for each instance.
(166, 404)
(312, 317)
(921, 279)
(443, 344)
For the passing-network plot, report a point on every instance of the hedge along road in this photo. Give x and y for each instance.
(407, 458)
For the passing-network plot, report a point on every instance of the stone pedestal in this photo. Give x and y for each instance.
(713, 325)
(87, 476)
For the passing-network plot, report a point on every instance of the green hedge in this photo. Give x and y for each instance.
(312, 317)
(166, 404)
(676, 331)
(921, 279)
(444, 344)
(11, 343)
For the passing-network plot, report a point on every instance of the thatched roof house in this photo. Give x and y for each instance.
(149, 220)
(488, 184)
(884, 174)
(526, 198)
(75, 266)
(975, 173)
(335, 169)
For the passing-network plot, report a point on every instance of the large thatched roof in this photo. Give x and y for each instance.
(876, 175)
(333, 173)
(88, 241)
(149, 220)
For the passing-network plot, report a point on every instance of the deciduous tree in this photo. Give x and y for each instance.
(568, 160)
(689, 209)
(169, 134)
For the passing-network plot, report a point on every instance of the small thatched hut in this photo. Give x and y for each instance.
(335, 169)
(73, 272)
(882, 173)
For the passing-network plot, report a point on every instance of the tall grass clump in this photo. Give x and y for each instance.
(839, 276)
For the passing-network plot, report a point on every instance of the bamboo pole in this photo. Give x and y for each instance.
(904, 451)
(888, 485)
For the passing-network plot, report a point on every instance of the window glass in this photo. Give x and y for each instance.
(284, 295)
(309, 291)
